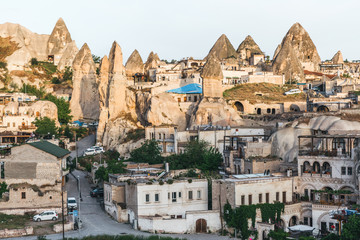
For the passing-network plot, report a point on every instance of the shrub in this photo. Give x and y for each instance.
(55, 80)
(170, 181)
(34, 62)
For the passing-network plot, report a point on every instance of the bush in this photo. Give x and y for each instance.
(34, 62)
(170, 181)
(3, 65)
(55, 80)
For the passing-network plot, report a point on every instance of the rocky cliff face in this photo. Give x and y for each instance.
(288, 63)
(303, 48)
(84, 103)
(33, 45)
(151, 62)
(59, 38)
(30, 45)
(212, 78)
(248, 47)
(338, 58)
(134, 64)
(222, 49)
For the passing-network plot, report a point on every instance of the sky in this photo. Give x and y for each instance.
(189, 28)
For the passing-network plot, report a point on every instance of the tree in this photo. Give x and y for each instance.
(63, 107)
(113, 166)
(331, 236)
(149, 152)
(34, 62)
(96, 58)
(198, 154)
(3, 188)
(68, 73)
(45, 126)
(351, 228)
(278, 235)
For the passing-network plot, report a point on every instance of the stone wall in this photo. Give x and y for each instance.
(7, 233)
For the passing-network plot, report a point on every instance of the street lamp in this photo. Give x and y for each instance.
(80, 199)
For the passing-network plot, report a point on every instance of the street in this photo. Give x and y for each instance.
(95, 221)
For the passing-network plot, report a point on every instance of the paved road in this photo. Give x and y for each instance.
(95, 221)
(83, 144)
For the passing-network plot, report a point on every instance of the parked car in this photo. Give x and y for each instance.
(71, 203)
(47, 215)
(293, 91)
(97, 192)
(89, 152)
(97, 149)
(85, 125)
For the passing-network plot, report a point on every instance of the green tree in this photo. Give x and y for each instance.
(149, 152)
(331, 236)
(113, 166)
(96, 58)
(68, 133)
(351, 229)
(198, 154)
(34, 62)
(3, 188)
(278, 235)
(45, 126)
(39, 93)
(63, 108)
(68, 73)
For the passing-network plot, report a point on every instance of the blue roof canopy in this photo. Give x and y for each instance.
(192, 88)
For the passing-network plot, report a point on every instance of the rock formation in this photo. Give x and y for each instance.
(151, 62)
(134, 64)
(338, 58)
(248, 47)
(303, 48)
(287, 63)
(30, 45)
(39, 46)
(84, 103)
(222, 49)
(212, 78)
(285, 141)
(117, 102)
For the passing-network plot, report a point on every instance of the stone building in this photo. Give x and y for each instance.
(34, 175)
(212, 78)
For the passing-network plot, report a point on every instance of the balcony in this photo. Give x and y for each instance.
(27, 127)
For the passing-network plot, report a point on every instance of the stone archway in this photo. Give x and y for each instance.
(294, 108)
(239, 106)
(322, 108)
(201, 225)
(293, 221)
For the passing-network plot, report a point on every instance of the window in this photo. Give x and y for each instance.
(195, 98)
(8, 124)
(306, 192)
(23, 195)
(13, 124)
(190, 195)
(311, 224)
(156, 197)
(250, 199)
(147, 198)
(284, 197)
(306, 221)
(199, 194)
(159, 135)
(277, 196)
(179, 194)
(173, 196)
(343, 170)
(349, 170)
(260, 198)
(168, 195)
(2, 170)
(267, 198)
(243, 200)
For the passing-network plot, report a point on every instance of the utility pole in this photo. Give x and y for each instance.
(76, 149)
(62, 208)
(79, 200)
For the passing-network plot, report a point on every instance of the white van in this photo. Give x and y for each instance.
(71, 203)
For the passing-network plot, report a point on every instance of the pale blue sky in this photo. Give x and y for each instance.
(177, 29)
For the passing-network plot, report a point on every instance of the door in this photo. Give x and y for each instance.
(201, 226)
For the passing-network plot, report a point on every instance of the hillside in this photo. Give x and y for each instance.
(262, 92)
